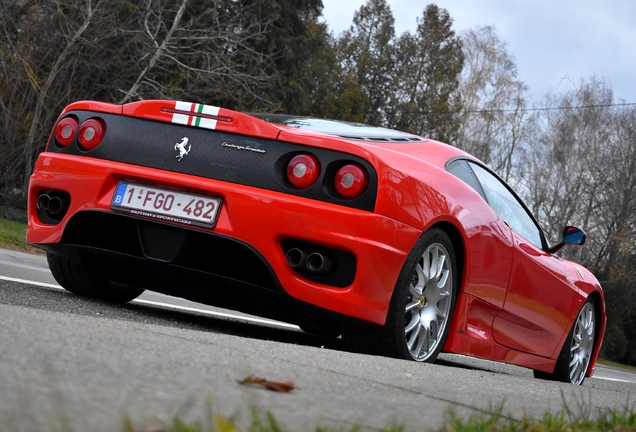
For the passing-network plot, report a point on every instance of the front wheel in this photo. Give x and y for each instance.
(576, 354)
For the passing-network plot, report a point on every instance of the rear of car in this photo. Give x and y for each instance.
(218, 207)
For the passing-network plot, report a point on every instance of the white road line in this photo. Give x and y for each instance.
(28, 282)
(612, 379)
(171, 306)
(26, 266)
(218, 314)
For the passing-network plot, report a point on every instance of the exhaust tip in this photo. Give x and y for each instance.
(318, 263)
(297, 259)
(43, 202)
(55, 205)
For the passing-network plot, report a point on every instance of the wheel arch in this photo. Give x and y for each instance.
(458, 246)
(597, 299)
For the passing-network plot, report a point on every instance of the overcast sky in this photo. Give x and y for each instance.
(552, 41)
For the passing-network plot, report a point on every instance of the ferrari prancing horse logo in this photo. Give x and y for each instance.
(181, 148)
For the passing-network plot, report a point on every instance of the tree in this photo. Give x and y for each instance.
(202, 49)
(53, 53)
(333, 94)
(290, 44)
(366, 52)
(408, 83)
(493, 118)
(428, 65)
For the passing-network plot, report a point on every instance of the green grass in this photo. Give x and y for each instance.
(564, 421)
(616, 365)
(12, 236)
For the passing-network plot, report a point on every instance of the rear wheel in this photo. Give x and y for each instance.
(71, 275)
(421, 306)
(576, 354)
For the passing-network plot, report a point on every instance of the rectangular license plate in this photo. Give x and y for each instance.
(166, 204)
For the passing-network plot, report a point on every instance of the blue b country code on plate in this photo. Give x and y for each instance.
(166, 204)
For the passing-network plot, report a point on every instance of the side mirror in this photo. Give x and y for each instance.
(571, 236)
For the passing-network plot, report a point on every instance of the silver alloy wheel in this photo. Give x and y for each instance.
(428, 302)
(582, 344)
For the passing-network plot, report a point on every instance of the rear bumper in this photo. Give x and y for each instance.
(259, 219)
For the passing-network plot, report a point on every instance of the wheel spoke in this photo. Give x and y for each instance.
(440, 264)
(415, 321)
(424, 276)
(574, 361)
(414, 336)
(415, 292)
(412, 305)
(433, 258)
(441, 281)
(423, 338)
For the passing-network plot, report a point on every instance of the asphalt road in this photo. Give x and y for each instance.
(88, 364)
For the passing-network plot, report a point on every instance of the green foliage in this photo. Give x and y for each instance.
(13, 206)
(292, 47)
(430, 63)
(614, 344)
(367, 55)
(408, 83)
(334, 94)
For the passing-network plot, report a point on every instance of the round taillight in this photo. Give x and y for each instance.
(303, 171)
(351, 181)
(91, 133)
(65, 131)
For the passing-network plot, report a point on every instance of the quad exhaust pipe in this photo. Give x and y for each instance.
(302, 261)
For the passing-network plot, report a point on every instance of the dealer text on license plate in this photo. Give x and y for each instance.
(166, 204)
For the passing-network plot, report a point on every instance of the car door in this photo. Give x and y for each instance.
(539, 299)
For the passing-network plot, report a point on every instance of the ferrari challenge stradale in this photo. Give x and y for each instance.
(401, 245)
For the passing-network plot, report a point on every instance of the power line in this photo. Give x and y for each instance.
(526, 109)
(548, 108)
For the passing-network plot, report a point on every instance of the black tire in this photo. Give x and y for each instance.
(576, 353)
(71, 275)
(416, 300)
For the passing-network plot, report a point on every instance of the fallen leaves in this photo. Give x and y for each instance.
(279, 386)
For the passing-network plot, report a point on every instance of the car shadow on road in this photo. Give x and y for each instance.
(58, 300)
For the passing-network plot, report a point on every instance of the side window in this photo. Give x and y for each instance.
(459, 168)
(507, 206)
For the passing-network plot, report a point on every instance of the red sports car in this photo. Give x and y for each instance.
(402, 245)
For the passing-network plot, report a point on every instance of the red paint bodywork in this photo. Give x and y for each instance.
(516, 302)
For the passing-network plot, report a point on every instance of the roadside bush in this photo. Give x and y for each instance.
(13, 207)
(614, 344)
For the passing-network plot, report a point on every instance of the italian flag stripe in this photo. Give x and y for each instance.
(195, 120)
(199, 109)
